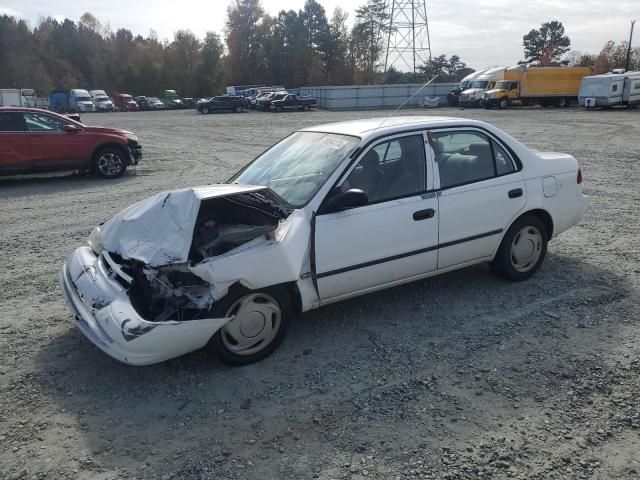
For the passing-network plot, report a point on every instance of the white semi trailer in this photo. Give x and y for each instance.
(18, 97)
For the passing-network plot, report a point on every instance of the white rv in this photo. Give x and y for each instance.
(18, 97)
(610, 89)
(80, 101)
(101, 100)
(486, 81)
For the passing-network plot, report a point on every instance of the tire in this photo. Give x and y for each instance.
(205, 110)
(235, 346)
(522, 250)
(110, 162)
(278, 109)
(237, 109)
(306, 108)
(562, 102)
(503, 103)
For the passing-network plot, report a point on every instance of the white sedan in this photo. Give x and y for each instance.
(328, 213)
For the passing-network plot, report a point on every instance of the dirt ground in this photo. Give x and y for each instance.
(462, 376)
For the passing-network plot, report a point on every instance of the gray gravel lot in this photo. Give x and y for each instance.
(462, 376)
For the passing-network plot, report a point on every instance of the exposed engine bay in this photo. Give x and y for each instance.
(222, 224)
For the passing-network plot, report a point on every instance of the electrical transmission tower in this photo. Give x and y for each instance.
(408, 44)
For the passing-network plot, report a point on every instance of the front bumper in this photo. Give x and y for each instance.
(469, 102)
(104, 314)
(135, 150)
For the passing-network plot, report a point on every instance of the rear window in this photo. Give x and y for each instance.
(11, 122)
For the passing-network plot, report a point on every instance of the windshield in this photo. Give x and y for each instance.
(84, 99)
(102, 99)
(480, 84)
(503, 85)
(299, 165)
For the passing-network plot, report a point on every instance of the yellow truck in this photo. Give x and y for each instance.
(548, 86)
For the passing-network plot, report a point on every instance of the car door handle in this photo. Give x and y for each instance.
(515, 193)
(424, 214)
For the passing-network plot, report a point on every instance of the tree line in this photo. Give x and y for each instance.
(292, 48)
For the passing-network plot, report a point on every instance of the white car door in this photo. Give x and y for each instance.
(394, 236)
(481, 192)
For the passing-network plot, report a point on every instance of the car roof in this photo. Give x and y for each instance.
(370, 127)
(26, 109)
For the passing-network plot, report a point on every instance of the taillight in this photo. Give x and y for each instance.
(579, 179)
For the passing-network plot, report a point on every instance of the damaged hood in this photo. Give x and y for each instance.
(159, 230)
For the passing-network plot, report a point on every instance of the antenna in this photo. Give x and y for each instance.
(406, 101)
(408, 43)
(626, 65)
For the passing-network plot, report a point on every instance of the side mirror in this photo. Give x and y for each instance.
(72, 129)
(353, 197)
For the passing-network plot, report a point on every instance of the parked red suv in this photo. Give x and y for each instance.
(34, 140)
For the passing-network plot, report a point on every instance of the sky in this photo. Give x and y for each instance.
(484, 33)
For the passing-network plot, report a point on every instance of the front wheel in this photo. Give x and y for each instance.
(522, 250)
(306, 108)
(278, 109)
(237, 109)
(259, 323)
(110, 162)
(503, 103)
(205, 110)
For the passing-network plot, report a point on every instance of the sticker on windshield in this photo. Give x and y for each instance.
(333, 142)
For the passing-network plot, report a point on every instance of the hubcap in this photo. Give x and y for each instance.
(256, 321)
(110, 164)
(526, 248)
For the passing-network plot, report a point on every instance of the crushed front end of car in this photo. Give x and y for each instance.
(139, 291)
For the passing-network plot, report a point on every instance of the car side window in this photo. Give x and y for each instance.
(466, 157)
(391, 169)
(39, 122)
(504, 164)
(11, 122)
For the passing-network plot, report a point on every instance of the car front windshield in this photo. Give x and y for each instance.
(84, 99)
(299, 165)
(480, 84)
(504, 85)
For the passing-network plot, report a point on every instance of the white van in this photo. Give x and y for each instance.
(101, 100)
(18, 97)
(610, 89)
(80, 101)
(486, 81)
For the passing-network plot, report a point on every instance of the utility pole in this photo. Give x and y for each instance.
(626, 65)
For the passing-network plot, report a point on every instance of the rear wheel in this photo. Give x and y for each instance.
(522, 250)
(562, 102)
(110, 162)
(259, 324)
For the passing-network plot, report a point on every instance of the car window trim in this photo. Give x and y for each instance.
(495, 168)
(363, 151)
(19, 115)
(27, 130)
(358, 150)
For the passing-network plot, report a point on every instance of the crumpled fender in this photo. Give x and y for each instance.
(263, 262)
